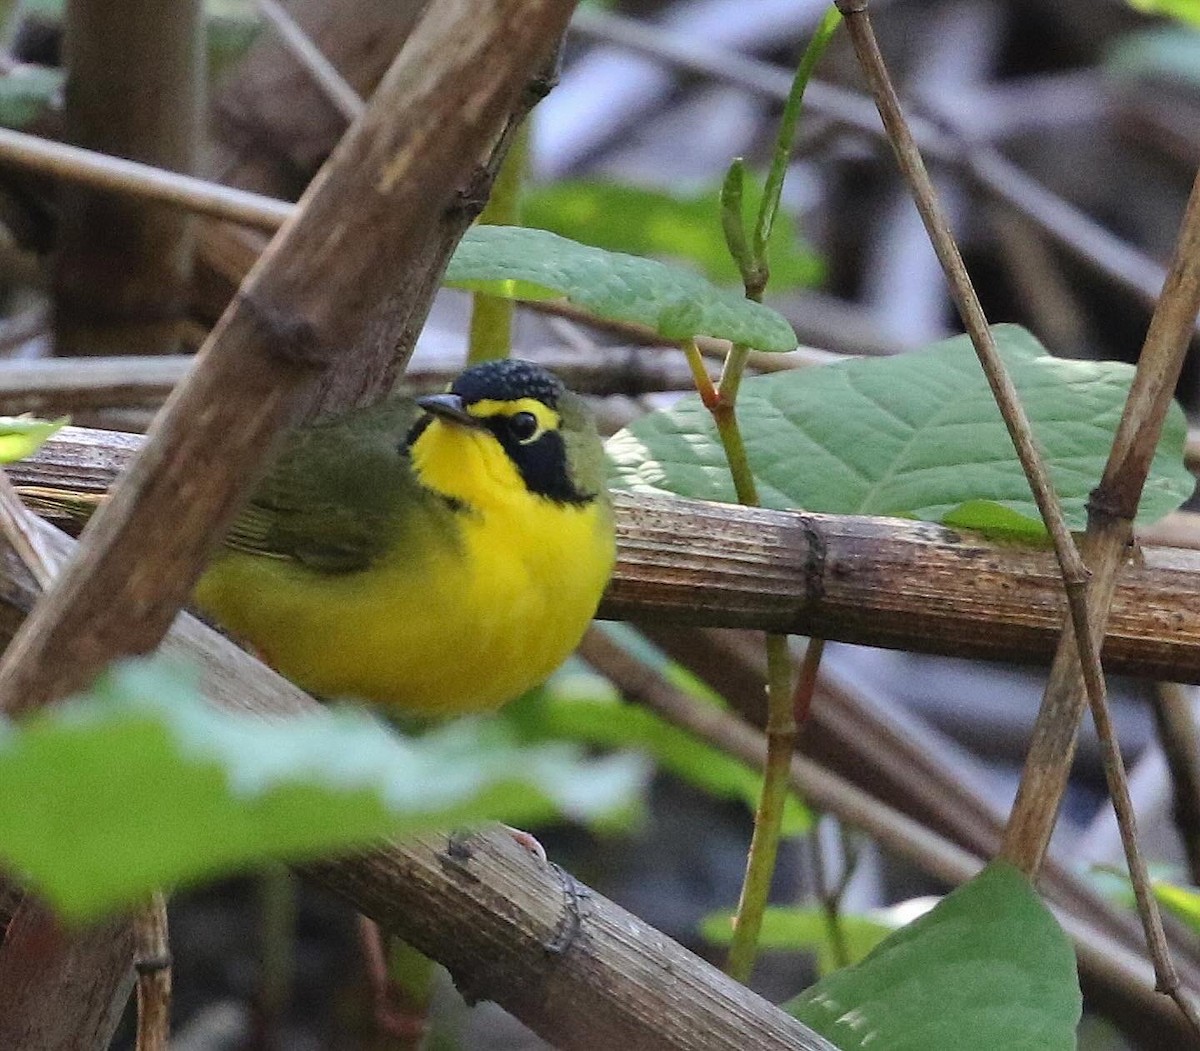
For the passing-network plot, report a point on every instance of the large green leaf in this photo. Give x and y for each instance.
(518, 263)
(141, 783)
(624, 218)
(916, 435)
(987, 967)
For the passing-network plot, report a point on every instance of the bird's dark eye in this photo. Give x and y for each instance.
(523, 426)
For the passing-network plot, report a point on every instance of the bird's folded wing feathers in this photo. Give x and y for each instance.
(338, 495)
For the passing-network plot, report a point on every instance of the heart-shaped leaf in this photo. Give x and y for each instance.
(917, 435)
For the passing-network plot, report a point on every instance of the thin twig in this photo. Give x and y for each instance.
(152, 964)
(830, 897)
(1075, 574)
(142, 180)
(1110, 516)
(324, 74)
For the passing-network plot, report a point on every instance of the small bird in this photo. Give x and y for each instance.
(435, 556)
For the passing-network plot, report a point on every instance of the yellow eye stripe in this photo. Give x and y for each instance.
(547, 418)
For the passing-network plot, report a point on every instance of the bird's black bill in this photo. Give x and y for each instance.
(450, 407)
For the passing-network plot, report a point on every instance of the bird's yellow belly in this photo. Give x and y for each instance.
(452, 630)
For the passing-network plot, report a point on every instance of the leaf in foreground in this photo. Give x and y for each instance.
(987, 967)
(916, 435)
(141, 784)
(518, 263)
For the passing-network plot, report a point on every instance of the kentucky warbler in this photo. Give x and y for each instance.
(437, 556)
(437, 561)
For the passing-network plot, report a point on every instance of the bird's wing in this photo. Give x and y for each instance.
(339, 494)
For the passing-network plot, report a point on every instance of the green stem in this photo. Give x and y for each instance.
(786, 138)
(734, 367)
(735, 452)
(764, 845)
(781, 705)
(704, 384)
(492, 317)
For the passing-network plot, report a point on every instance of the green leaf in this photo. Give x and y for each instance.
(519, 263)
(140, 784)
(916, 435)
(987, 967)
(624, 218)
(22, 436)
(27, 93)
(795, 929)
(557, 713)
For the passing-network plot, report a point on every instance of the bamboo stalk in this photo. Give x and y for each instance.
(874, 581)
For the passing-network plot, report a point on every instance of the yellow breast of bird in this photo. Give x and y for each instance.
(434, 627)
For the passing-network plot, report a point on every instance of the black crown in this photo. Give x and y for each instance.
(508, 380)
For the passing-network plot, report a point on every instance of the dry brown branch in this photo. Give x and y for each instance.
(440, 108)
(876, 581)
(1110, 524)
(132, 178)
(74, 386)
(569, 963)
(47, 975)
(1110, 511)
(370, 217)
(68, 386)
(1109, 530)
